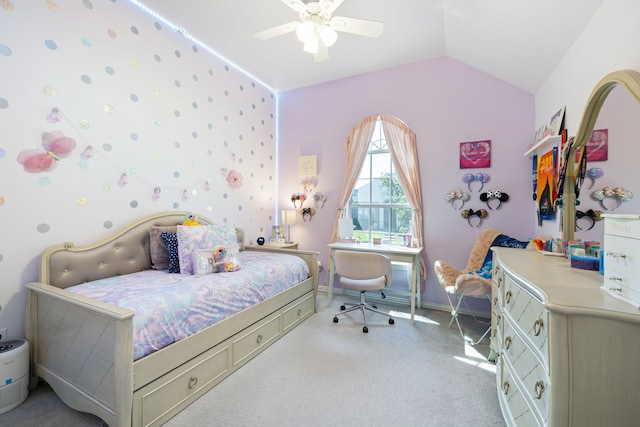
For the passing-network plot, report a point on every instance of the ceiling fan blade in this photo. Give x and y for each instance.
(277, 31)
(297, 5)
(322, 54)
(361, 27)
(330, 5)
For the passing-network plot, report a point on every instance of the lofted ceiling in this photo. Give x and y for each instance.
(518, 41)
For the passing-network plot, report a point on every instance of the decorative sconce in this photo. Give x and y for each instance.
(288, 219)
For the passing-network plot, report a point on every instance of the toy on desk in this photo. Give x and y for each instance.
(191, 219)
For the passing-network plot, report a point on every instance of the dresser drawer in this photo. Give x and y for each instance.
(297, 312)
(528, 367)
(623, 226)
(528, 315)
(155, 402)
(249, 342)
(514, 404)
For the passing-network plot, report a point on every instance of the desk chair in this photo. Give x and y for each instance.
(464, 282)
(362, 271)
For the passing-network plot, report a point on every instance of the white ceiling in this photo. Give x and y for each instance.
(518, 41)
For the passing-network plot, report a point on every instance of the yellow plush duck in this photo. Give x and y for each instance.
(191, 219)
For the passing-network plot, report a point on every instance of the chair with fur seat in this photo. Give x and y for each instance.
(468, 282)
(362, 271)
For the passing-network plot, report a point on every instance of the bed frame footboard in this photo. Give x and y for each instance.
(77, 343)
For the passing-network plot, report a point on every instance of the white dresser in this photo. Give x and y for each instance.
(622, 257)
(567, 352)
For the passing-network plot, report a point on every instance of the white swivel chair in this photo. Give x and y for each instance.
(362, 271)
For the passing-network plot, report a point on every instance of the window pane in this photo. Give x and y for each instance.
(361, 192)
(360, 218)
(380, 164)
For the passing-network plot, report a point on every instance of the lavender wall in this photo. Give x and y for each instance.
(445, 102)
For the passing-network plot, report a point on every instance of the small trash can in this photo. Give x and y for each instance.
(14, 373)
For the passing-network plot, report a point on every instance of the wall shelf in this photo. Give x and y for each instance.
(545, 144)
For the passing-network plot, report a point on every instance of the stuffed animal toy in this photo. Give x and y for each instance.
(191, 219)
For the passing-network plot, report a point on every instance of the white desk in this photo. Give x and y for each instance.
(395, 252)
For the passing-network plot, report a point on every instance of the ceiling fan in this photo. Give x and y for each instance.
(317, 29)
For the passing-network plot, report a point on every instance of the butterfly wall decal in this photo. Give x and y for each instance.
(57, 146)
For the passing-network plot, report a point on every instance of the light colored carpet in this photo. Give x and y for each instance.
(324, 373)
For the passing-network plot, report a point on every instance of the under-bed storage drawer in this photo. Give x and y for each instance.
(250, 342)
(161, 397)
(297, 312)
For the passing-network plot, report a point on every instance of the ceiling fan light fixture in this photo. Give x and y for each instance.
(306, 31)
(311, 45)
(327, 35)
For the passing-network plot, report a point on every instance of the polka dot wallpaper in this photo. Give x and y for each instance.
(109, 115)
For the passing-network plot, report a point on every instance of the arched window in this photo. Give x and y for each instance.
(400, 141)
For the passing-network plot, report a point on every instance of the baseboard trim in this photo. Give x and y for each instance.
(400, 301)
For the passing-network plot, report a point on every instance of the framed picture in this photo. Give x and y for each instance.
(598, 146)
(475, 154)
(278, 234)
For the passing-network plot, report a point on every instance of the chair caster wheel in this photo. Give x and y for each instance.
(335, 319)
(365, 330)
(343, 307)
(374, 306)
(391, 321)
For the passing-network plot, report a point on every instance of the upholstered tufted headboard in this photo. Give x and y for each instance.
(125, 252)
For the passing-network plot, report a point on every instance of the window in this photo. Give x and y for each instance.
(378, 206)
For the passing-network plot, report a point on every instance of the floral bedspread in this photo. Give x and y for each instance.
(169, 307)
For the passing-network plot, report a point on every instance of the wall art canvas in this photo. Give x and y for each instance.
(475, 154)
(598, 146)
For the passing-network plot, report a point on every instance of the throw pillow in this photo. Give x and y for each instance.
(191, 239)
(216, 260)
(171, 241)
(157, 248)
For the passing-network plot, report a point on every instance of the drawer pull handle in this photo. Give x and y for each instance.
(498, 317)
(495, 300)
(505, 387)
(193, 382)
(539, 389)
(498, 282)
(616, 279)
(537, 327)
(259, 339)
(299, 312)
(507, 342)
(616, 254)
(508, 297)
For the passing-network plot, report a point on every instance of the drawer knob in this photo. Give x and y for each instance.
(508, 297)
(539, 389)
(505, 387)
(259, 339)
(193, 382)
(507, 342)
(537, 327)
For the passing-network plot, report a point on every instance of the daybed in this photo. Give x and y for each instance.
(84, 348)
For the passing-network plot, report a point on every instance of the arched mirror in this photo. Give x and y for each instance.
(620, 116)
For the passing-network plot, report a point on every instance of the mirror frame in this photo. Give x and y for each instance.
(630, 79)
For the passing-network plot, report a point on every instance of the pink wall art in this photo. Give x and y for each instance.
(475, 154)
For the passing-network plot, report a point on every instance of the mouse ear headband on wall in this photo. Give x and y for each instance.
(468, 178)
(470, 213)
(590, 214)
(619, 194)
(499, 195)
(307, 212)
(454, 195)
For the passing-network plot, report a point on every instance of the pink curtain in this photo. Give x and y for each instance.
(404, 153)
(402, 144)
(355, 149)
